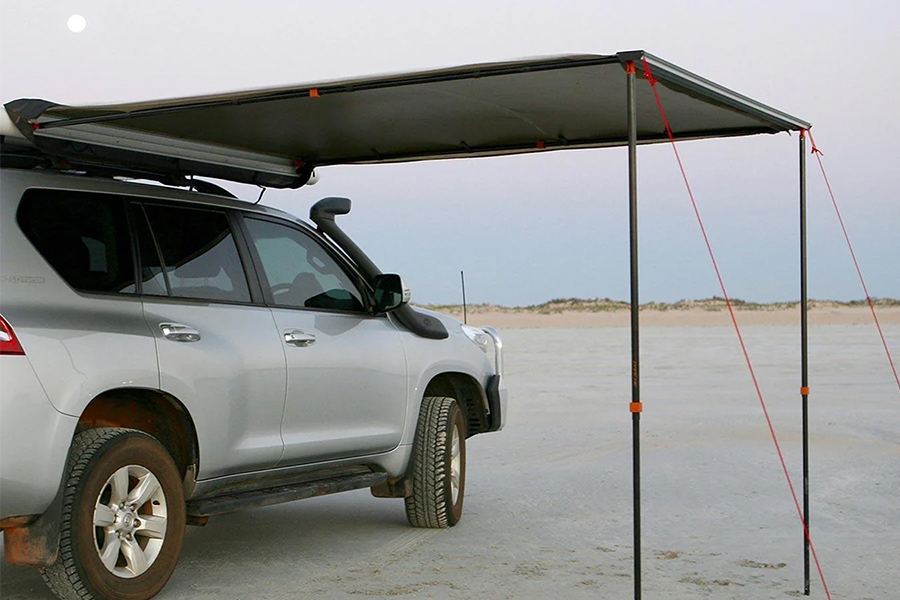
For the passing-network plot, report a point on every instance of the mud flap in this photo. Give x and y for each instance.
(33, 542)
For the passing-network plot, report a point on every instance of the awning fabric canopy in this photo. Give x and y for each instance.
(275, 136)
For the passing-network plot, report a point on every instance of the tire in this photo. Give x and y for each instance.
(110, 549)
(439, 465)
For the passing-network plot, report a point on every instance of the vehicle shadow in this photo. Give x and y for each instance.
(272, 548)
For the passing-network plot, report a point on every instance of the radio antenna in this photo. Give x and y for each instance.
(462, 278)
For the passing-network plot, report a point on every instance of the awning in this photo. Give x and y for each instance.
(275, 136)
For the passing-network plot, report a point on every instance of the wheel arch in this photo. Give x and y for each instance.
(468, 393)
(34, 540)
(155, 413)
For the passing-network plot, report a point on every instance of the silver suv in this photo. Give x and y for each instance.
(169, 355)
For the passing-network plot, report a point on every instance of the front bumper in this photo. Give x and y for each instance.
(497, 393)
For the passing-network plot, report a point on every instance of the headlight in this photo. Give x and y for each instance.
(478, 337)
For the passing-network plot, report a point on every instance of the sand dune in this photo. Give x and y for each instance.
(713, 312)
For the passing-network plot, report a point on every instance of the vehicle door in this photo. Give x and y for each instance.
(347, 373)
(218, 351)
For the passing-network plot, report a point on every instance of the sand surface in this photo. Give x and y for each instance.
(548, 500)
(700, 317)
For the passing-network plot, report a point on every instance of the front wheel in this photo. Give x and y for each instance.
(439, 465)
(123, 518)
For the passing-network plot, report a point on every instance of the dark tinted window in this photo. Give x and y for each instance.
(83, 236)
(299, 271)
(199, 256)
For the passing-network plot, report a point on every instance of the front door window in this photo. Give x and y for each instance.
(299, 272)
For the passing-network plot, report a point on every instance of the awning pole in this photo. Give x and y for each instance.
(804, 361)
(635, 406)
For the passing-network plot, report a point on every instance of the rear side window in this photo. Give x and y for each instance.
(199, 256)
(83, 236)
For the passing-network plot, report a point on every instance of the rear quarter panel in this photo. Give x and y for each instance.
(79, 344)
(34, 441)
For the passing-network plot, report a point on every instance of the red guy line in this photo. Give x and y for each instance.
(737, 328)
(818, 155)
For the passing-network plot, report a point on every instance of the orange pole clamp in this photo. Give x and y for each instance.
(629, 67)
(636, 407)
(314, 93)
(804, 391)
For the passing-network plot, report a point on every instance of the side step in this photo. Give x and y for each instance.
(218, 505)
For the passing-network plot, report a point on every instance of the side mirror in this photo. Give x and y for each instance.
(390, 292)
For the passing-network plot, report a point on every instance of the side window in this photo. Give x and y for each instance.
(83, 236)
(199, 256)
(299, 271)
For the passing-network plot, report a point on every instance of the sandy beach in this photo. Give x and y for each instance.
(548, 499)
(822, 314)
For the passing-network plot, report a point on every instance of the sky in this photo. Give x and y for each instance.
(531, 228)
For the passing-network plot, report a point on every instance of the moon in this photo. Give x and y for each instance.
(76, 23)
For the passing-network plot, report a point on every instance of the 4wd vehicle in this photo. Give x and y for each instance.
(169, 355)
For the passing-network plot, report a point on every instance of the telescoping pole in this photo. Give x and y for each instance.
(635, 406)
(804, 361)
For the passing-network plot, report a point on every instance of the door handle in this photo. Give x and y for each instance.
(179, 333)
(296, 337)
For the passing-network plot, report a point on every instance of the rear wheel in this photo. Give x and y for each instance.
(439, 465)
(123, 518)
